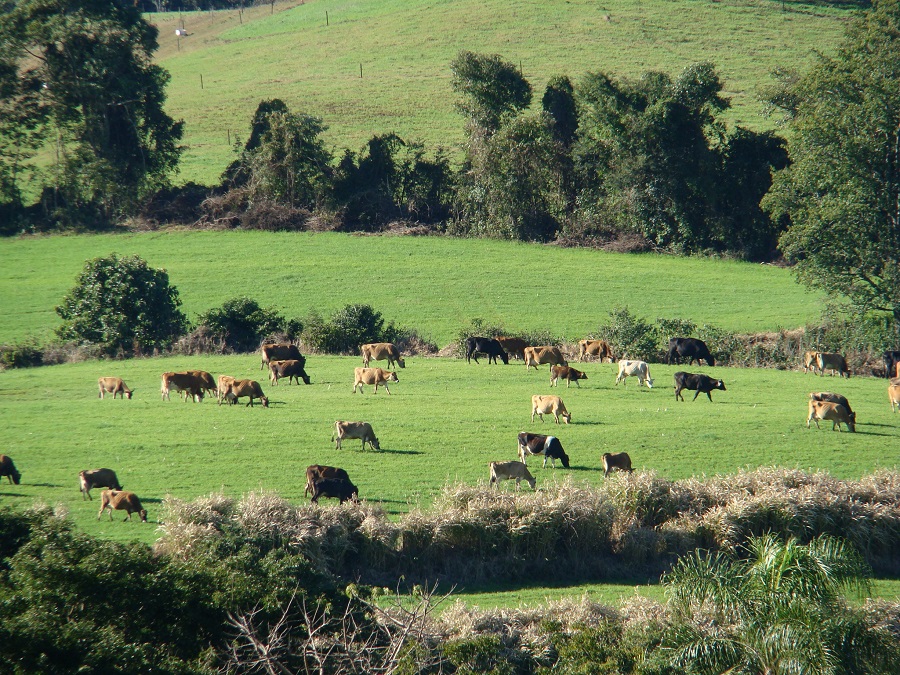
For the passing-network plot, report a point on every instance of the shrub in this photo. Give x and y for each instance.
(22, 355)
(347, 329)
(629, 336)
(242, 324)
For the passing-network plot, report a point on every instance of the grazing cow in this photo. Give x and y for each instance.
(487, 346)
(638, 369)
(317, 471)
(379, 351)
(95, 478)
(510, 471)
(207, 383)
(191, 384)
(513, 346)
(891, 363)
(536, 356)
(830, 396)
(538, 444)
(360, 430)
(566, 373)
(120, 500)
(374, 376)
(809, 361)
(336, 488)
(835, 412)
(114, 386)
(291, 369)
(598, 348)
(894, 397)
(541, 405)
(8, 469)
(275, 351)
(833, 362)
(223, 383)
(615, 460)
(688, 348)
(697, 382)
(249, 388)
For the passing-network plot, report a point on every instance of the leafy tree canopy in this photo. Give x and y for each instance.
(491, 89)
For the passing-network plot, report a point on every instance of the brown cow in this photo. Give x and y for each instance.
(380, 351)
(279, 351)
(374, 376)
(894, 397)
(833, 362)
(121, 500)
(224, 383)
(830, 396)
(95, 478)
(510, 471)
(114, 386)
(835, 412)
(809, 361)
(616, 460)
(249, 388)
(598, 348)
(566, 373)
(291, 369)
(207, 383)
(191, 384)
(535, 356)
(360, 430)
(549, 404)
(513, 346)
(316, 471)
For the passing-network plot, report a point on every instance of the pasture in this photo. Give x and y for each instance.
(383, 67)
(443, 422)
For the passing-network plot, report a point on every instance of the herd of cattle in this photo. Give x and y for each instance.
(286, 361)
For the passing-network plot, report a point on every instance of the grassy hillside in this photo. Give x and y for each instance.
(434, 285)
(405, 46)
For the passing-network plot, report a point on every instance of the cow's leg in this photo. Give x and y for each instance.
(696, 394)
(385, 388)
(709, 396)
(678, 394)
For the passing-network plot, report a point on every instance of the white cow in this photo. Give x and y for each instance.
(638, 369)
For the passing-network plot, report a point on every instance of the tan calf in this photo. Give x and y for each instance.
(380, 351)
(536, 356)
(373, 376)
(598, 348)
(114, 386)
(566, 373)
(510, 471)
(541, 405)
(249, 388)
(809, 361)
(121, 500)
(894, 397)
(616, 460)
(833, 412)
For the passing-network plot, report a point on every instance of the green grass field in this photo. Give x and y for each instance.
(405, 47)
(435, 285)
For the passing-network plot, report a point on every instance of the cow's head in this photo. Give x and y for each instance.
(720, 385)
(401, 362)
(392, 377)
(851, 423)
(265, 401)
(578, 374)
(564, 458)
(567, 416)
(129, 393)
(375, 443)
(16, 476)
(710, 360)
(504, 356)
(143, 514)
(649, 382)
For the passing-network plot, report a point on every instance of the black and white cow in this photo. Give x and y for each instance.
(696, 382)
(539, 444)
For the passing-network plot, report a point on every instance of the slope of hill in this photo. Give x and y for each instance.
(372, 67)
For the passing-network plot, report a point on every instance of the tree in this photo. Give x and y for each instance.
(780, 610)
(122, 304)
(841, 194)
(241, 323)
(85, 82)
(492, 90)
(559, 102)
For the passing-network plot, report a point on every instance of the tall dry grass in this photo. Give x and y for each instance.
(632, 524)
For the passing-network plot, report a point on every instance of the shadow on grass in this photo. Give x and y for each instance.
(490, 588)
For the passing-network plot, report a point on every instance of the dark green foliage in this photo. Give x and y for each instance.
(841, 193)
(84, 81)
(482, 655)
(22, 355)
(629, 336)
(492, 90)
(559, 102)
(243, 324)
(122, 304)
(347, 329)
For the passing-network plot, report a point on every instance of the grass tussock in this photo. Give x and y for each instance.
(638, 523)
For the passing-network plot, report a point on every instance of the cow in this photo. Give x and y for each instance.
(114, 386)
(616, 460)
(374, 376)
(292, 369)
(891, 363)
(8, 469)
(513, 346)
(95, 478)
(538, 444)
(207, 383)
(510, 471)
(598, 348)
(120, 500)
(191, 384)
(693, 349)
(274, 351)
(697, 382)
(835, 412)
(317, 471)
(894, 397)
(830, 396)
(223, 384)
(249, 388)
(536, 356)
(541, 405)
(833, 362)
(487, 346)
(566, 373)
(638, 369)
(379, 351)
(809, 361)
(360, 430)
(336, 488)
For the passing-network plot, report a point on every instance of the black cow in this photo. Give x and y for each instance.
(334, 487)
(688, 348)
(487, 346)
(891, 359)
(539, 444)
(696, 382)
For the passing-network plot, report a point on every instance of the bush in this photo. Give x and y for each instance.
(22, 355)
(122, 305)
(242, 324)
(348, 328)
(629, 336)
